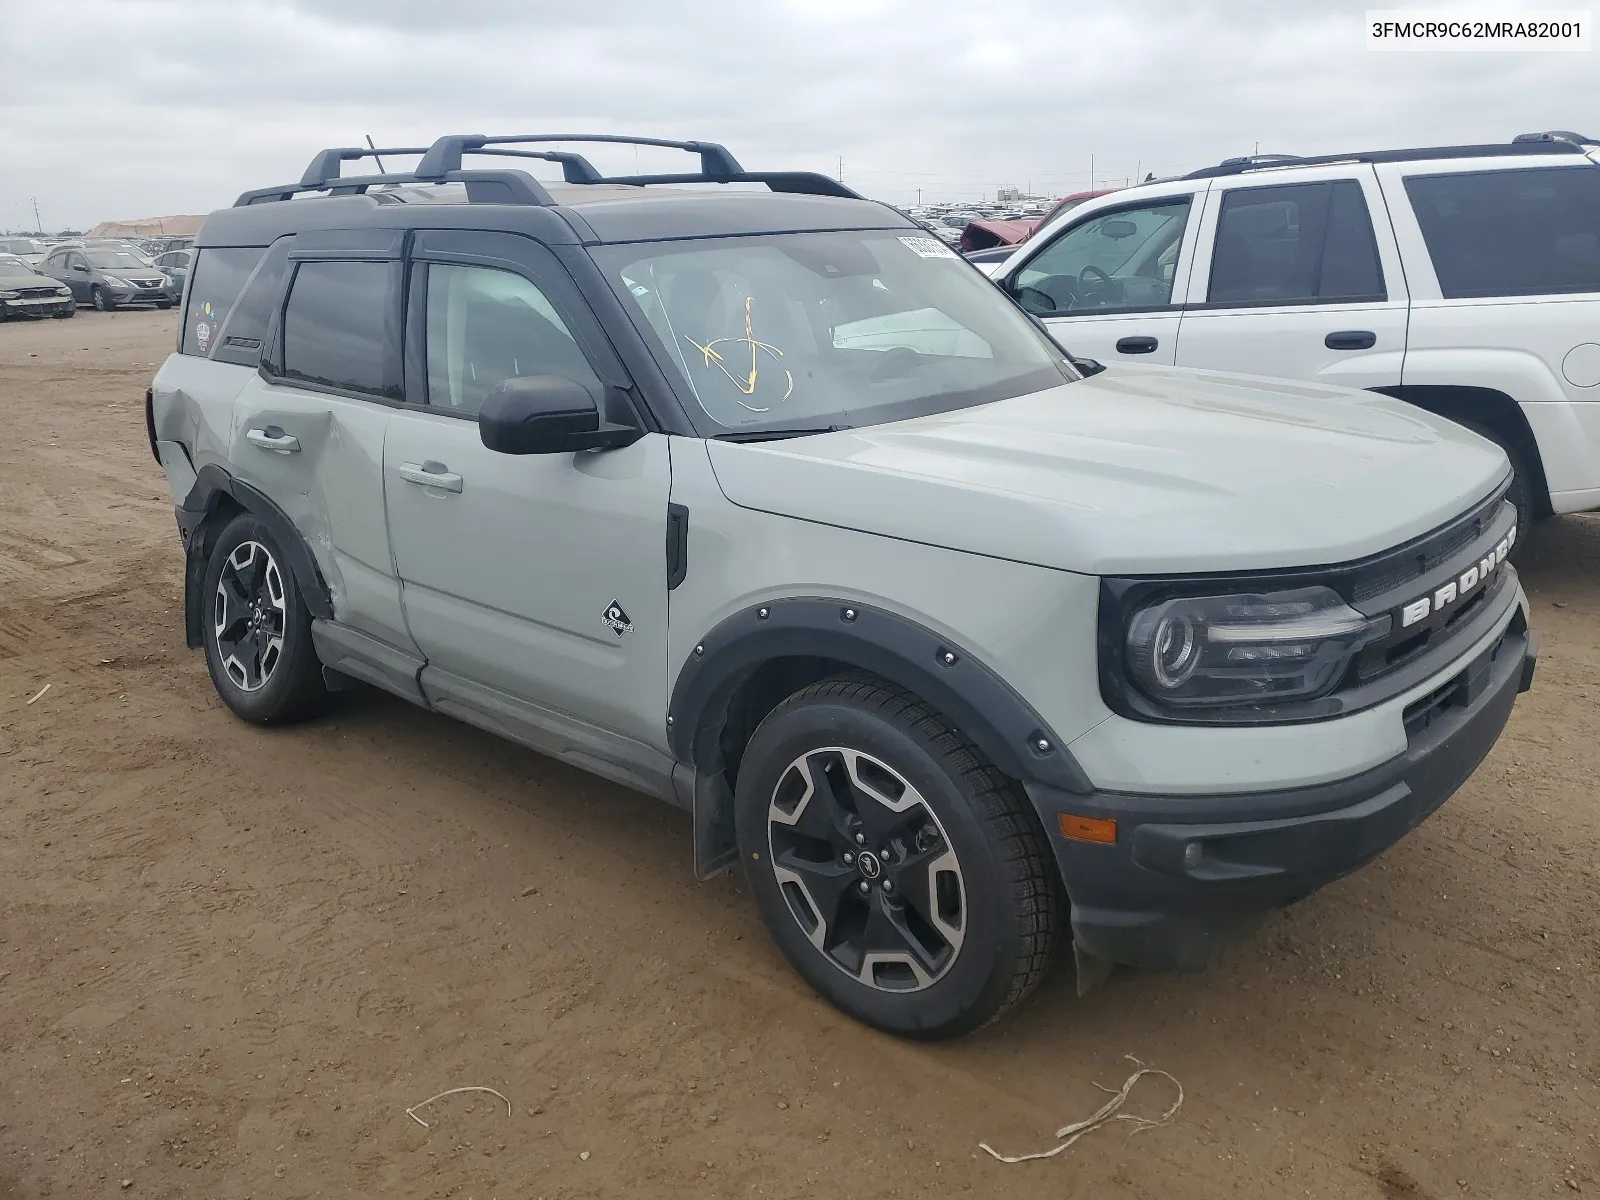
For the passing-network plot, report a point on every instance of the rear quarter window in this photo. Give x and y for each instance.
(1511, 233)
(216, 278)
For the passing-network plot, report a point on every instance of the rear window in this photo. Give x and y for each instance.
(1511, 233)
(245, 330)
(336, 327)
(215, 281)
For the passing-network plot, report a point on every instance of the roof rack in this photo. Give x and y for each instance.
(441, 163)
(1527, 144)
(1557, 135)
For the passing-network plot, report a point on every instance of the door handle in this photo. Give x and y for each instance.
(274, 439)
(431, 474)
(1137, 345)
(1351, 339)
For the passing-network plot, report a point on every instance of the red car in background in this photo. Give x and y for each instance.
(993, 241)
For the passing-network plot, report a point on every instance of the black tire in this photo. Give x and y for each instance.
(102, 299)
(1523, 483)
(977, 885)
(163, 305)
(71, 312)
(258, 639)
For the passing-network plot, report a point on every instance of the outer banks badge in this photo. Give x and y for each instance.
(616, 620)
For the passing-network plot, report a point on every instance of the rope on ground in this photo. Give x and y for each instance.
(412, 1111)
(1109, 1111)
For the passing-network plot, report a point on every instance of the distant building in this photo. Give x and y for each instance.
(1005, 194)
(149, 227)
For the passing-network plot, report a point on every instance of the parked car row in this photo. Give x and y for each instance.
(24, 292)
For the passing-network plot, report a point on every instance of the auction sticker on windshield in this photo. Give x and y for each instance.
(927, 247)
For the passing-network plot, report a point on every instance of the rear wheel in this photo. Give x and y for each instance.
(902, 875)
(257, 629)
(102, 299)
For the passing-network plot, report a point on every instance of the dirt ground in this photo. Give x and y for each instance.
(230, 959)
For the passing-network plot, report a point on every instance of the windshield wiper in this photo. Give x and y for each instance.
(772, 435)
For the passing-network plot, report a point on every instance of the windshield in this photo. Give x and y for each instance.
(15, 268)
(808, 330)
(114, 260)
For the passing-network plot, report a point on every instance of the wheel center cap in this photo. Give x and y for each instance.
(869, 866)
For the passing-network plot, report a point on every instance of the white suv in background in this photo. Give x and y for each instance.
(1463, 279)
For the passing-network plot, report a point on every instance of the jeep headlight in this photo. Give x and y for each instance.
(1197, 652)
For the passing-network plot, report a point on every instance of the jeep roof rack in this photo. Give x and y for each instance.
(1526, 144)
(441, 163)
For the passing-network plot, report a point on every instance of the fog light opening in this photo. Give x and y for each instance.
(1193, 852)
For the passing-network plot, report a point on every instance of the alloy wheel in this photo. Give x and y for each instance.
(866, 870)
(250, 615)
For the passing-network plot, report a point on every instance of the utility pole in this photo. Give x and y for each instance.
(919, 197)
(1138, 168)
(38, 225)
(841, 168)
(1257, 150)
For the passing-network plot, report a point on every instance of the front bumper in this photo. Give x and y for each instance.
(1187, 872)
(41, 306)
(158, 295)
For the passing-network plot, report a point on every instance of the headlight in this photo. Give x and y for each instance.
(63, 291)
(117, 281)
(1214, 651)
(9, 295)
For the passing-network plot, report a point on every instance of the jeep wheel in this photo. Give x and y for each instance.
(102, 299)
(257, 629)
(903, 876)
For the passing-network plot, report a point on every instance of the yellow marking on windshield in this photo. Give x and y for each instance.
(747, 386)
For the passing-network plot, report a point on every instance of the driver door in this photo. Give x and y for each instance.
(1111, 283)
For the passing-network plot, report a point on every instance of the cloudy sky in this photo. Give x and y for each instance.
(131, 108)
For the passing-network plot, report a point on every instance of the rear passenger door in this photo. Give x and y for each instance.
(1111, 284)
(308, 428)
(536, 585)
(1300, 279)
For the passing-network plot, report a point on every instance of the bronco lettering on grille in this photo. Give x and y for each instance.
(1457, 589)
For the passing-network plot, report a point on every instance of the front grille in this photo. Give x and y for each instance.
(44, 293)
(1400, 566)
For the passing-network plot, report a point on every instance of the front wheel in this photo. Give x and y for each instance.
(102, 300)
(901, 874)
(257, 629)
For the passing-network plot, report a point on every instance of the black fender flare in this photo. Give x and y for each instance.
(938, 670)
(196, 521)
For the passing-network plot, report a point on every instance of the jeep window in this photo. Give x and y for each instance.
(1300, 243)
(1125, 259)
(337, 327)
(1511, 233)
(214, 285)
(809, 330)
(486, 326)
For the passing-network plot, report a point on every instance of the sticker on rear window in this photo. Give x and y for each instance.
(927, 247)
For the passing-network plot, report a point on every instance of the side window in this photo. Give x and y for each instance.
(1299, 243)
(338, 327)
(243, 333)
(1511, 233)
(214, 285)
(1124, 259)
(486, 325)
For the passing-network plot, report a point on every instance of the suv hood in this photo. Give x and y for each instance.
(1136, 470)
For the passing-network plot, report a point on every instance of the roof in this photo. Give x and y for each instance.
(1527, 145)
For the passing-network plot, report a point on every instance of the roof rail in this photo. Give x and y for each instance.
(1525, 145)
(445, 154)
(1557, 135)
(483, 187)
(441, 163)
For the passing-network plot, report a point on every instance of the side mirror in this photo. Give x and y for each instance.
(546, 414)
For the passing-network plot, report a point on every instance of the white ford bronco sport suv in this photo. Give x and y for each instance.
(765, 503)
(1463, 279)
